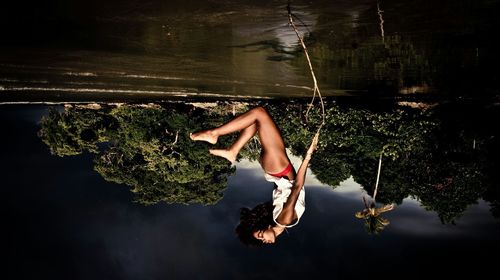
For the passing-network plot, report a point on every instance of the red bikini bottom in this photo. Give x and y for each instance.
(284, 172)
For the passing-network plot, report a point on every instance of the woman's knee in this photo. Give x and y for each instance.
(260, 111)
(262, 117)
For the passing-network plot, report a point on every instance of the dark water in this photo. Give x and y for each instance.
(71, 176)
(123, 50)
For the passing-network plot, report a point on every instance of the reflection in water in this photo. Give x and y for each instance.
(440, 156)
(234, 49)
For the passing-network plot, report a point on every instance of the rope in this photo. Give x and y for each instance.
(370, 210)
(315, 81)
(381, 24)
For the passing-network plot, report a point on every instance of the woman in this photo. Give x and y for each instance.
(265, 222)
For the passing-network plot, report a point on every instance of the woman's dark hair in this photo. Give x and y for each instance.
(251, 220)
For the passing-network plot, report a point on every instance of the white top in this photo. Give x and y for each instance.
(280, 196)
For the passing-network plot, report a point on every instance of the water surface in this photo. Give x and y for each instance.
(153, 50)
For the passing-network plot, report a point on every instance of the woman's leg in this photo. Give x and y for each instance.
(241, 122)
(270, 137)
(232, 152)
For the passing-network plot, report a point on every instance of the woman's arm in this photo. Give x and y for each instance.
(288, 215)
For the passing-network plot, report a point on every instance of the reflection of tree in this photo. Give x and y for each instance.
(394, 65)
(148, 149)
(350, 54)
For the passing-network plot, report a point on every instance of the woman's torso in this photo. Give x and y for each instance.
(275, 161)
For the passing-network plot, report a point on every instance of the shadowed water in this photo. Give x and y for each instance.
(153, 50)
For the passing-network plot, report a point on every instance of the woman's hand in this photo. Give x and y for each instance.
(313, 147)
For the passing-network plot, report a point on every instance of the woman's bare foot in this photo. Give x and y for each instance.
(206, 135)
(227, 154)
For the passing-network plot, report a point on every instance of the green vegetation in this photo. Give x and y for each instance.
(423, 156)
(148, 148)
(74, 131)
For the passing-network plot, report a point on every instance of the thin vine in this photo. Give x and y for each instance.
(316, 90)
